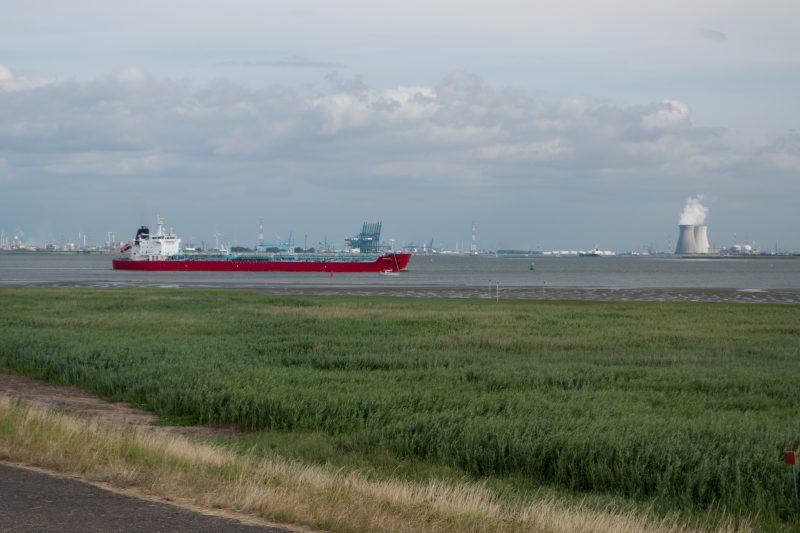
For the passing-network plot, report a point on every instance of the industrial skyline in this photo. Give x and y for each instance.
(692, 239)
(556, 125)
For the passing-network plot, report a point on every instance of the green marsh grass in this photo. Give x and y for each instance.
(684, 406)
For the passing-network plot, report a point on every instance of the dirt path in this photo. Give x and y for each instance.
(37, 501)
(78, 402)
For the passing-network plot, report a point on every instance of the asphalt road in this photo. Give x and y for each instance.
(32, 501)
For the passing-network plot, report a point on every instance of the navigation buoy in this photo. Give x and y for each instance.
(533, 265)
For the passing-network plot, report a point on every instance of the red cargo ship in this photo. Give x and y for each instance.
(161, 252)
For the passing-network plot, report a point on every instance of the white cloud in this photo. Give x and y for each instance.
(132, 77)
(669, 115)
(362, 108)
(9, 82)
(344, 111)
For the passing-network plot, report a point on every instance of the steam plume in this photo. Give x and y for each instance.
(694, 212)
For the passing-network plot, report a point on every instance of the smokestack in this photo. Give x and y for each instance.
(686, 244)
(701, 245)
(473, 248)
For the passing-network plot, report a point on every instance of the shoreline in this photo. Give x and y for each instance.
(602, 294)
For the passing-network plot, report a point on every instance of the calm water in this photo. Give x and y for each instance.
(762, 279)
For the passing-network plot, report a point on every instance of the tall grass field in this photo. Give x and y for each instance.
(683, 406)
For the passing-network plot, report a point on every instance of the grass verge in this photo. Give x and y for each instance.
(175, 468)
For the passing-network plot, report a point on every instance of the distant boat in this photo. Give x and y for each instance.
(595, 253)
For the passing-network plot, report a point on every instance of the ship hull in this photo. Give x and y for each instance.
(388, 262)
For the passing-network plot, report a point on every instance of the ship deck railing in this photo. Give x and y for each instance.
(285, 257)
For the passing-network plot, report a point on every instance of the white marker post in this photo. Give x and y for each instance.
(791, 459)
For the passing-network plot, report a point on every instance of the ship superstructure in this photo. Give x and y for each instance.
(147, 247)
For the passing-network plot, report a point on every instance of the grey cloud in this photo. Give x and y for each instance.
(461, 118)
(346, 144)
(788, 142)
(292, 62)
(713, 35)
(460, 121)
(351, 85)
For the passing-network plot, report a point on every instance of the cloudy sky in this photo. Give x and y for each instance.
(550, 124)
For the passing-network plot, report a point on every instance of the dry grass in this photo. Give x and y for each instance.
(172, 467)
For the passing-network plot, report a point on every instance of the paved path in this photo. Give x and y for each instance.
(32, 501)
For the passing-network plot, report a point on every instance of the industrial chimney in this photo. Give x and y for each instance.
(701, 245)
(686, 244)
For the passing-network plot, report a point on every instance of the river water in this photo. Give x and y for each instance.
(662, 278)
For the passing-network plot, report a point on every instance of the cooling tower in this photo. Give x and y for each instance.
(686, 240)
(701, 239)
